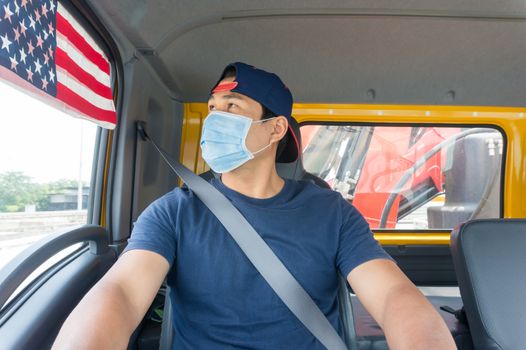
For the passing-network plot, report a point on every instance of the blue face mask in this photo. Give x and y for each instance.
(223, 141)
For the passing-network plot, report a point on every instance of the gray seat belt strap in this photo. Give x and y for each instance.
(258, 252)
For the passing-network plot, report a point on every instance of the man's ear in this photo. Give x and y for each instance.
(280, 128)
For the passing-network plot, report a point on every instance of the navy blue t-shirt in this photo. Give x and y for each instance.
(220, 300)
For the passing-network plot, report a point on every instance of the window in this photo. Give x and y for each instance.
(45, 171)
(410, 177)
(46, 155)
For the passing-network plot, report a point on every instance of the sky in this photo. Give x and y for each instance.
(41, 141)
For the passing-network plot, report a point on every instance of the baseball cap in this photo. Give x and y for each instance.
(267, 89)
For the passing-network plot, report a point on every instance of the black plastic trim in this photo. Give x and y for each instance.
(97, 177)
(37, 321)
(13, 305)
(18, 269)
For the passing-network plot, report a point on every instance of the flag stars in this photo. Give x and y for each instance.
(39, 41)
(28, 43)
(8, 13)
(23, 27)
(14, 62)
(44, 10)
(38, 66)
(22, 55)
(30, 47)
(37, 16)
(29, 74)
(44, 83)
(17, 34)
(32, 22)
(5, 42)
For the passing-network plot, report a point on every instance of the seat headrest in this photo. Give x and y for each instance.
(293, 170)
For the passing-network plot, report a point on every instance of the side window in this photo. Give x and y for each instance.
(416, 177)
(45, 171)
(51, 69)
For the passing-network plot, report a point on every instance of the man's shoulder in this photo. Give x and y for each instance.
(310, 188)
(176, 197)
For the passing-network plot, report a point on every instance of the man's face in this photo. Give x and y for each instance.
(236, 103)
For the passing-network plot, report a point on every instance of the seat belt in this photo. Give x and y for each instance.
(257, 251)
(167, 334)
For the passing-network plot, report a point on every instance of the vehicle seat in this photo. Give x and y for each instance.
(490, 262)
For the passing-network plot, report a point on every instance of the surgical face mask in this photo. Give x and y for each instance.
(223, 141)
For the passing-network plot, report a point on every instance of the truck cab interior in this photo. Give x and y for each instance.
(450, 73)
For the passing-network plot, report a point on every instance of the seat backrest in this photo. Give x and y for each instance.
(490, 262)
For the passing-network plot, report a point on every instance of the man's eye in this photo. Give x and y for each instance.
(231, 105)
(211, 108)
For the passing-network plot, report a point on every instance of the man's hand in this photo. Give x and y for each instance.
(407, 318)
(109, 313)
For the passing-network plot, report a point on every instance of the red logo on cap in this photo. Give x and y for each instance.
(225, 86)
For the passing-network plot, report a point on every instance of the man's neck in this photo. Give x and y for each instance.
(255, 182)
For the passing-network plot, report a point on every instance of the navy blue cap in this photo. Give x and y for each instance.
(267, 89)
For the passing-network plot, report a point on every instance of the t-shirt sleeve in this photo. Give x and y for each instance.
(356, 244)
(155, 230)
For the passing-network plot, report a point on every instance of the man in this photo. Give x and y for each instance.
(220, 301)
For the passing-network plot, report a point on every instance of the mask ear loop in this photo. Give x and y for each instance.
(263, 120)
(261, 150)
(270, 143)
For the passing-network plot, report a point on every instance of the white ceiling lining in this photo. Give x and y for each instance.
(479, 55)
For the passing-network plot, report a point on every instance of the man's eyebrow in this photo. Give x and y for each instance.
(229, 96)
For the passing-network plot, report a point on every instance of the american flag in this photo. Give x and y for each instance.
(45, 51)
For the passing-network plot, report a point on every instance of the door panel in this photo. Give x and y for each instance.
(33, 318)
(425, 265)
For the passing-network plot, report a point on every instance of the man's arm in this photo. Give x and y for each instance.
(407, 318)
(108, 314)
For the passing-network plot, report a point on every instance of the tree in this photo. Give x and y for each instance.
(17, 190)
